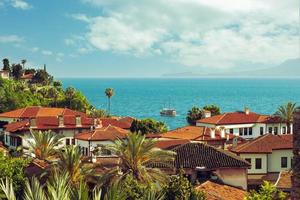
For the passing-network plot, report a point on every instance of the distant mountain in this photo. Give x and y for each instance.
(289, 68)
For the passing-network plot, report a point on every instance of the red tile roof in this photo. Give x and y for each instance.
(169, 144)
(284, 180)
(103, 134)
(239, 118)
(38, 111)
(27, 76)
(216, 191)
(265, 144)
(124, 122)
(199, 133)
(47, 123)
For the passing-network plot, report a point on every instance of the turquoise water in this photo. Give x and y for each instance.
(143, 98)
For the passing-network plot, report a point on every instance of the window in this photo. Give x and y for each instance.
(240, 131)
(245, 131)
(261, 130)
(276, 130)
(73, 141)
(250, 131)
(257, 163)
(231, 130)
(270, 129)
(283, 162)
(67, 141)
(284, 130)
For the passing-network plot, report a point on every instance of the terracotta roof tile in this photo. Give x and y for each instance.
(103, 134)
(122, 123)
(239, 118)
(196, 133)
(169, 144)
(265, 144)
(38, 111)
(284, 180)
(46, 123)
(216, 191)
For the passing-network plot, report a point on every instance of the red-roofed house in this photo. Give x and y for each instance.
(92, 141)
(62, 121)
(201, 134)
(268, 154)
(245, 124)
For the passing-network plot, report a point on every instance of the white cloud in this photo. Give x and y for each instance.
(21, 4)
(47, 52)
(210, 33)
(10, 39)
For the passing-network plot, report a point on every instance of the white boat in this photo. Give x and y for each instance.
(169, 112)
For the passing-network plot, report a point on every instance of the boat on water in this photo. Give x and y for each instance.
(168, 112)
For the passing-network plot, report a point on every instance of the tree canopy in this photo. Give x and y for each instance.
(193, 115)
(145, 126)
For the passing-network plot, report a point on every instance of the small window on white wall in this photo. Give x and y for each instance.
(258, 164)
(283, 162)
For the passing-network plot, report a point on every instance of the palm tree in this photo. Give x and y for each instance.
(295, 194)
(43, 144)
(70, 162)
(6, 187)
(6, 65)
(53, 94)
(137, 154)
(193, 115)
(286, 114)
(23, 63)
(109, 92)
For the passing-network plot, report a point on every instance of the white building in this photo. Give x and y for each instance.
(245, 124)
(93, 143)
(4, 74)
(268, 155)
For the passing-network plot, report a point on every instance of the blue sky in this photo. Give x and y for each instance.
(127, 38)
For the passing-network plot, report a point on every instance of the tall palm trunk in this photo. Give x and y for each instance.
(296, 159)
(109, 105)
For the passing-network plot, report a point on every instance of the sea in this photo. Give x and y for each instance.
(144, 98)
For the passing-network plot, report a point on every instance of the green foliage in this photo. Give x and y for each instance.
(193, 115)
(267, 191)
(98, 113)
(214, 109)
(180, 188)
(132, 188)
(17, 94)
(145, 126)
(42, 77)
(13, 169)
(17, 71)
(286, 114)
(29, 71)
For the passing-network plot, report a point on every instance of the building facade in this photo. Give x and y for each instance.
(245, 124)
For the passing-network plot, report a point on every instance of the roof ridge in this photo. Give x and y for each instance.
(221, 118)
(24, 109)
(253, 141)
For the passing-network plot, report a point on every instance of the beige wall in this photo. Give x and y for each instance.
(274, 160)
(264, 161)
(235, 177)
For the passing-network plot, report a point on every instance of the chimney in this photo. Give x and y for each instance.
(207, 114)
(32, 123)
(247, 111)
(222, 132)
(212, 132)
(97, 123)
(60, 121)
(78, 121)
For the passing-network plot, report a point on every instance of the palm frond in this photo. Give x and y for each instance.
(7, 190)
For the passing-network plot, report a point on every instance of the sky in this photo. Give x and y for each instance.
(148, 38)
